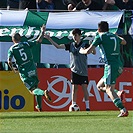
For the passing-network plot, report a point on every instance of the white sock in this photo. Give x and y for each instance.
(87, 104)
(73, 103)
(123, 110)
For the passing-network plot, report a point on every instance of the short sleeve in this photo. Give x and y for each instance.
(97, 41)
(32, 43)
(67, 47)
(10, 54)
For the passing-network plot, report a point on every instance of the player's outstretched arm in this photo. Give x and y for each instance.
(47, 36)
(123, 42)
(88, 50)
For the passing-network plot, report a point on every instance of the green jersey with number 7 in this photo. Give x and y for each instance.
(109, 45)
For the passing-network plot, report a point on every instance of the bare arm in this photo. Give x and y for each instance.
(61, 46)
(89, 50)
(11, 65)
(41, 36)
(74, 9)
(123, 42)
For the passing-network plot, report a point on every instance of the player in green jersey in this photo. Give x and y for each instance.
(109, 45)
(21, 52)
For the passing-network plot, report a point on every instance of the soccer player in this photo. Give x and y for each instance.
(78, 65)
(109, 44)
(21, 51)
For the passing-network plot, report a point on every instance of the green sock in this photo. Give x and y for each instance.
(118, 103)
(39, 101)
(115, 90)
(38, 91)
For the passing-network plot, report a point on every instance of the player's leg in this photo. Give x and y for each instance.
(116, 100)
(110, 75)
(74, 82)
(74, 93)
(31, 84)
(106, 88)
(101, 85)
(38, 99)
(38, 93)
(30, 79)
(121, 95)
(116, 72)
(110, 91)
(86, 96)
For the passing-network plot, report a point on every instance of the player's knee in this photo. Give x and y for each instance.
(99, 87)
(109, 89)
(32, 91)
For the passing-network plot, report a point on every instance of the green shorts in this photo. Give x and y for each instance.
(111, 73)
(28, 74)
(31, 82)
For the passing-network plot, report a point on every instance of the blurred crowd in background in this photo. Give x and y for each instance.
(66, 5)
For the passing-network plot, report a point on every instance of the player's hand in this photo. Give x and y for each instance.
(15, 70)
(47, 35)
(43, 28)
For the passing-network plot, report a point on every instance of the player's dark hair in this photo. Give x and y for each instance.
(103, 26)
(76, 31)
(16, 36)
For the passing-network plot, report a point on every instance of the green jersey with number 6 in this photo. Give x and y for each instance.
(24, 60)
(109, 44)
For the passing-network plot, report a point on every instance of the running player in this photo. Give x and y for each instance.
(109, 45)
(22, 53)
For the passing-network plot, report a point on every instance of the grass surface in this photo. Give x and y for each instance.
(65, 122)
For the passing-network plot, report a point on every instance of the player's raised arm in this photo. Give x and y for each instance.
(61, 46)
(41, 36)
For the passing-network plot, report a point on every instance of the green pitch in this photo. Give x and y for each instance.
(65, 122)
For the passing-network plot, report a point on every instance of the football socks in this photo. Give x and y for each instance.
(73, 103)
(118, 103)
(87, 104)
(39, 101)
(38, 91)
(115, 90)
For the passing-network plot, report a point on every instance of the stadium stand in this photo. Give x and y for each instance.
(3, 4)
